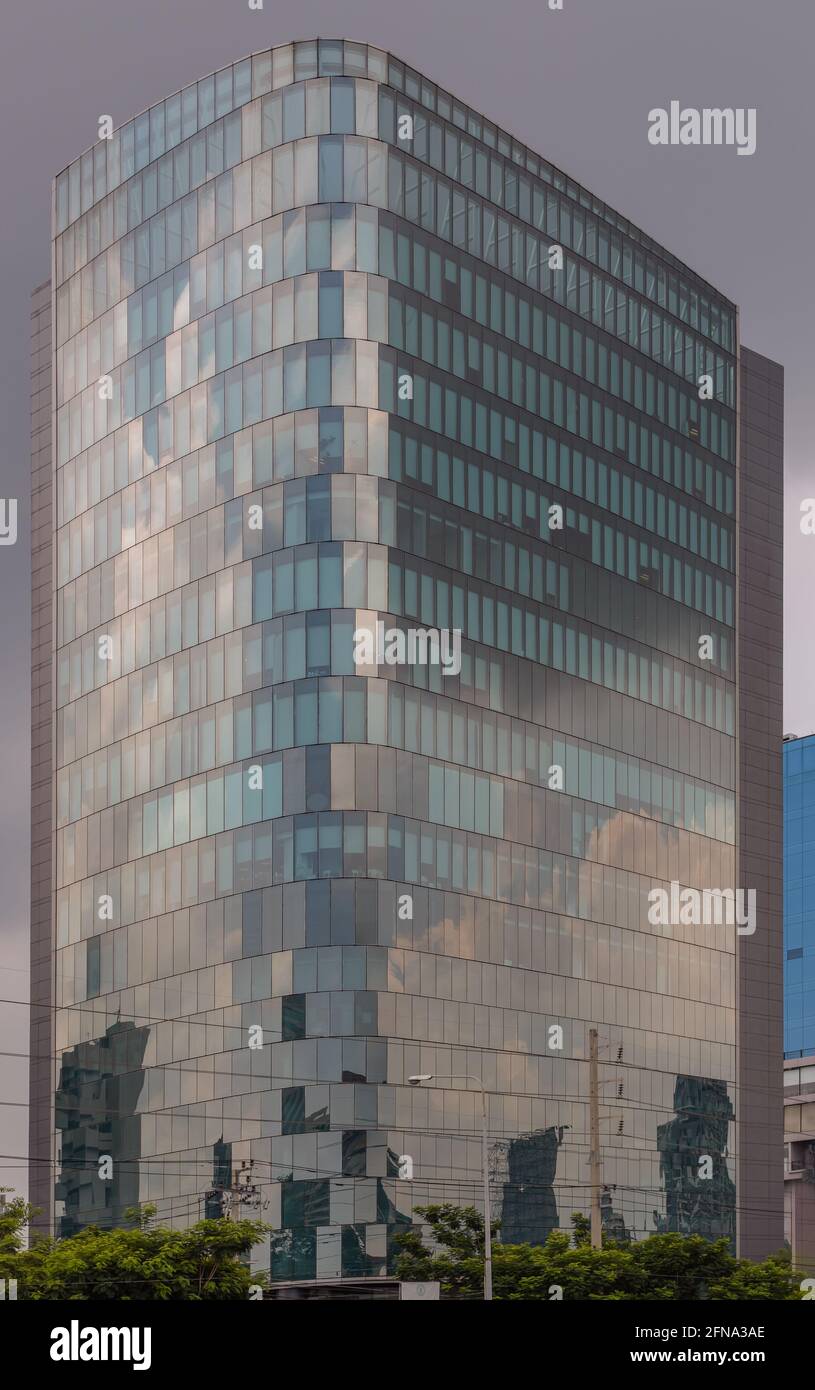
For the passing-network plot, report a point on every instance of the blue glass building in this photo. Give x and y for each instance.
(799, 896)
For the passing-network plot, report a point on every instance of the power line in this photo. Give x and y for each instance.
(91, 1112)
(199, 1019)
(91, 1115)
(288, 1166)
(188, 1066)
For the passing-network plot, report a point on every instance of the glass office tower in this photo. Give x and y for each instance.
(330, 349)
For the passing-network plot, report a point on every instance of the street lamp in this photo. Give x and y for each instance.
(465, 1076)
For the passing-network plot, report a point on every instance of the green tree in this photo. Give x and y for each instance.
(581, 1228)
(14, 1258)
(660, 1268)
(459, 1265)
(206, 1261)
(14, 1217)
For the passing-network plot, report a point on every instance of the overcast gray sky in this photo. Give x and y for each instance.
(576, 85)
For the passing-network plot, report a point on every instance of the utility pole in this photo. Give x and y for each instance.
(241, 1193)
(594, 1140)
(233, 1198)
(487, 1212)
(230, 1197)
(466, 1076)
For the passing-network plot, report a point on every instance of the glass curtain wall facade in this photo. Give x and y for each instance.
(799, 997)
(799, 896)
(318, 365)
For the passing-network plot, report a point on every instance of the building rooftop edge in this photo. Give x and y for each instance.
(335, 38)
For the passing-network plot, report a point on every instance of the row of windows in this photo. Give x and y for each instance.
(500, 1006)
(475, 487)
(228, 798)
(478, 486)
(355, 170)
(691, 475)
(161, 371)
(306, 511)
(307, 1240)
(333, 304)
(222, 532)
(545, 221)
(371, 845)
(423, 532)
(317, 169)
(224, 602)
(427, 530)
(425, 1003)
(331, 440)
(161, 129)
(491, 298)
(235, 796)
(441, 339)
(445, 1149)
(351, 106)
(437, 1119)
(232, 463)
(354, 575)
(462, 417)
(315, 373)
(566, 646)
(86, 477)
(420, 703)
(180, 954)
(447, 1163)
(709, 314)
(330, 711)
(437, 1125)
(350, 574)
(340, 372)
(215, 471)
(323, 237)
(321, 306)
(233, 336)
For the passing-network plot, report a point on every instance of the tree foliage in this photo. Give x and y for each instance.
(210, 1261)
(207, 1261)
(660, 1268)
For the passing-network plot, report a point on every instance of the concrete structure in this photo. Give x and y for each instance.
(799, 1165)
(759, 640)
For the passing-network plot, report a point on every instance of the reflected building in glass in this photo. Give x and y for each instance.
(324, 347)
